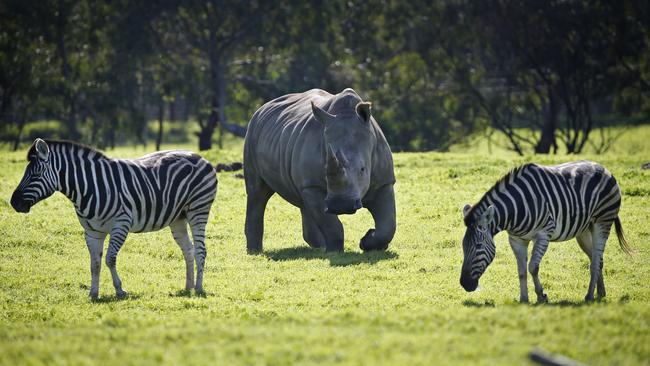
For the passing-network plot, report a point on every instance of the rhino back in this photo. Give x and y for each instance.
(382, 160)
(283, 144)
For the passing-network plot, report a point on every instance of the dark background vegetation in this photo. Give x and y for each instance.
(549, 75)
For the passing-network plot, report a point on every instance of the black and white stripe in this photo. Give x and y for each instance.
(544, 203)
(119, 196)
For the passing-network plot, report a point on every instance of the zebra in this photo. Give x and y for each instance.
(118, 196)
(544, 204)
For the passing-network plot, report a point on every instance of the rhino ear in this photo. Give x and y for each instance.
(42, 149)
(363, 110)
(322, 116)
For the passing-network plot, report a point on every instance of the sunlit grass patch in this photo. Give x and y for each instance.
(294, 304)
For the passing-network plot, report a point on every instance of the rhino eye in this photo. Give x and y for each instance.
(363, 169)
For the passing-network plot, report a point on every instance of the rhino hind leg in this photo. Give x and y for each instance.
(311, 232)
(258, 194)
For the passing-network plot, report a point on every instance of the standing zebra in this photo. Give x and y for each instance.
(118, 196)
(543, 204)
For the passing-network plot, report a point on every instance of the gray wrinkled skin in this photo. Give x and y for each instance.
(326, 155)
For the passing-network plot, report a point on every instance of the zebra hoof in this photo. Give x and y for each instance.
(254, 251)
(523, 300)
(184, 293)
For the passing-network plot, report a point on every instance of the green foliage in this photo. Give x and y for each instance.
(435, 71)
(296, 305)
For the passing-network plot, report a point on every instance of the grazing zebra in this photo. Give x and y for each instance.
(543, 204)
(118, 196)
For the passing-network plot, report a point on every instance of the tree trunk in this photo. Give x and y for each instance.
(161, 117)
(221, 110)
(6, 105)
(547, 140)
(95, 128)
(110, 138)
(68, 94)
(205, 135)
(220, 136)
(205, 138)
(21, 126)
(172, 110)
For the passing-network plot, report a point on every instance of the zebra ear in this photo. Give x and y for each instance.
(466, 209)
(42, 149)
(488, 215)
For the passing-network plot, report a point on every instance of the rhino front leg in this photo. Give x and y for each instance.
(330, 226)
(382, 207)
(258, 194)
(310, 231)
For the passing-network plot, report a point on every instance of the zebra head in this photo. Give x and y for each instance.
(478, 245)
(39, 181)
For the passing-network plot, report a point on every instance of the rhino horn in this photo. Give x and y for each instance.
(331, 157)
(340, 156)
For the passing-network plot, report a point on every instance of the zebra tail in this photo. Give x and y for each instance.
(621, 237)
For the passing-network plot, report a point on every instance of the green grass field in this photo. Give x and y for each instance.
(296, 305)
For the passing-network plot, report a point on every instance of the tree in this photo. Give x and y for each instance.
(541, 73)
(207, 35)
(559, 56)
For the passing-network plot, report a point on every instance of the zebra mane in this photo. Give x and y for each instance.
(69, 144)
(471, 218)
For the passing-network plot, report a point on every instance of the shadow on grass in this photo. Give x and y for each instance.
(190, 293)
(572, 303)
(476, 304)
(559, 303)
(336, 259)
(114, 298)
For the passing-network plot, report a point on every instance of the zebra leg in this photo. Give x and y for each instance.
(197, 223)
(95, 243)
(118, 236)
(179, 232)
(540, 244)
(258, 194)
(599, 236)
(520, 248)
(584, 240)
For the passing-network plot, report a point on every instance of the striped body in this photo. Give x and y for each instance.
(149, 193)
(543, 204)
(118, 196)
(561, 200)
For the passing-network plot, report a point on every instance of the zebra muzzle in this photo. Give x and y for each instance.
(18, 203)
(468, 283)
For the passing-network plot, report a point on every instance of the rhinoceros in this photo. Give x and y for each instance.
(326, 155)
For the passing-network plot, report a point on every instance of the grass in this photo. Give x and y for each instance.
(296, 305)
